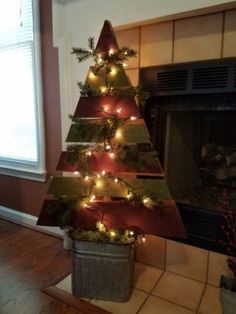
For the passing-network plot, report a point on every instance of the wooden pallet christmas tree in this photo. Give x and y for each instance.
(112, 177)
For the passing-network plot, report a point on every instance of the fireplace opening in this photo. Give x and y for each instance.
(191, 117)
(200, 157)
(195, 136)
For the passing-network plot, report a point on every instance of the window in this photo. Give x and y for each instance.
(21, 116)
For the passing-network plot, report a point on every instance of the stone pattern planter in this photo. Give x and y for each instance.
(102, 270)
(228, 294)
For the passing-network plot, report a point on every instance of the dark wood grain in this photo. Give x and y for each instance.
(29, 261)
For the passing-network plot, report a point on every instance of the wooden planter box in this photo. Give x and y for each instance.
(102, 270)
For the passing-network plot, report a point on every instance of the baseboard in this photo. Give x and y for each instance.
(28, 221)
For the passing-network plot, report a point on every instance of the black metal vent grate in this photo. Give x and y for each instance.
(203, 77)
(215, 77)
(172, 80)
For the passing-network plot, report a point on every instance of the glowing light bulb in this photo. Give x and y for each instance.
(76, 172)
(133, 118)
(112, 155)
(112, 233)
(146, 200)
(118, 110)
(92, 198)
(105, 108)
(89, 153)
(86, 178)
(113, 71)
(131, 233)
(118, 134)
(108, 147)
(103, 172)
(99, 184)
(129, 195)
(86, 205)
(116, 180)
(101, 227)
(99, 59)
(125, 64)
(92, 75)
(111, 51)
(143, 239)
(103, 89)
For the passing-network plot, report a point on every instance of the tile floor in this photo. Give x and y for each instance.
(162, 292)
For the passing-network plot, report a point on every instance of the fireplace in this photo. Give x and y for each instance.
(191, 116)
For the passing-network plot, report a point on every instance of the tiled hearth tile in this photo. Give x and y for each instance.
(182, 291)
(129, 38)
(217, 267)
(210, 303)
(65, 284)
(186, 260)
(152, 252)
(155, 305)
(145, 277)
(130, 307)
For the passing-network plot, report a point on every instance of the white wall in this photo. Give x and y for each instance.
(75, 20)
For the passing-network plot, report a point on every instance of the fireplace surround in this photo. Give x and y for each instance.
(191, 116)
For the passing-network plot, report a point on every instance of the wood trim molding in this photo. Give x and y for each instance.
(28, 221)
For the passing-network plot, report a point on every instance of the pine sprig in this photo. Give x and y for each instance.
(88, 90)
(121, 55)
(84, 54)
(104, 60)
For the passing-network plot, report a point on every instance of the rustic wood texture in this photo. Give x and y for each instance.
(110, 43)
(100, 161)
(102, 106)
(99, 80)
(161, 221)
(131, 132)
(76, 186)
(29, 261)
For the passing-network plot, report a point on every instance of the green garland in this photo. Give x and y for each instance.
(105, 236)
(88, 90)
(62, 210)
(103, 60)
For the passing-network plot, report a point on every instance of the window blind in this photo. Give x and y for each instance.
(20, 119)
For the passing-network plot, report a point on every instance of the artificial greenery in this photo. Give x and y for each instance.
(103, 60)
(106, 236)
(79, 156)
(61, 210)
(84, 54)
(89, 90)
(134, 160)
(103, 130)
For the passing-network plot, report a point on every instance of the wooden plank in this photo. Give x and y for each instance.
(75, 186)
(86, 131)
(117, 76)
(161, 220)
(147, 164)
(68, 186)
(91, 107)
